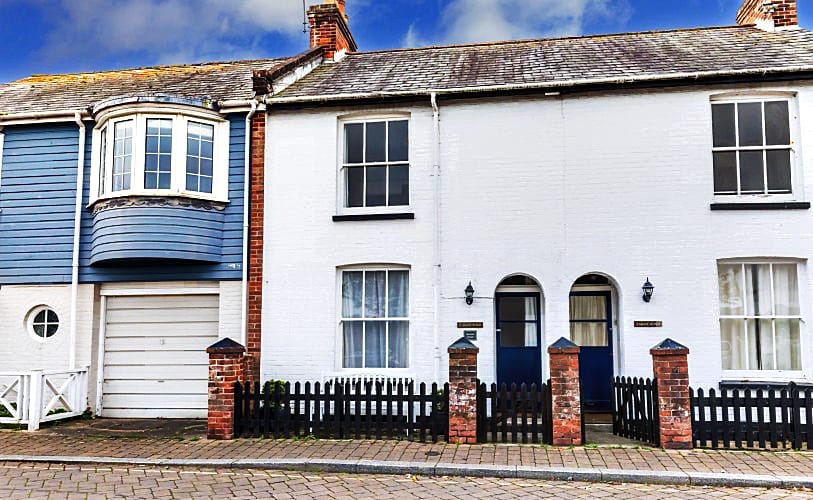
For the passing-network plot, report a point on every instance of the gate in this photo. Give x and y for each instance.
(635, 413)
(380, 410)
(514, 414)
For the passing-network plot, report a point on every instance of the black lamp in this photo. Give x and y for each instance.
(469, 294)
(648, 289)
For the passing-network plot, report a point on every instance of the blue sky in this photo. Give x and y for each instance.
(54, 36)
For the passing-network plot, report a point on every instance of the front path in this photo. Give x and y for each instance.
(23, 480)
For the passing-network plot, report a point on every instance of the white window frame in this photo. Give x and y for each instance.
(768, 375)
(796, 182)
(340, 329)
(180, 120)
(341, 195)
(29, 322)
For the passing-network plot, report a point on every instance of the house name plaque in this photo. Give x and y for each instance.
(649, 324)
(469, 324)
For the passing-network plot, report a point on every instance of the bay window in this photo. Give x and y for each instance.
(161, 153)
(760, 316)
(375, 318)
(375, 163)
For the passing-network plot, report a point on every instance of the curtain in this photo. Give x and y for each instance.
(758, 290)
(398, 355)
(353, 331)
(375, 338)
(588, 307)
(531, 325)
(351, 294)
(398, 300)
(730, 279)
(786, 290)
(375, 283)
(788, 352)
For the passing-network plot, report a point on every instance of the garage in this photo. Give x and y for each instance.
(155, 363)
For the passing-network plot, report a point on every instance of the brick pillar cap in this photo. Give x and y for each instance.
(563, 346)
(668, 348)
(226, 346)
(463, 345)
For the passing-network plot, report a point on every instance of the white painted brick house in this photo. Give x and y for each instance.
(557, 177)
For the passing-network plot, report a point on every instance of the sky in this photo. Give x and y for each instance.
(60, 36)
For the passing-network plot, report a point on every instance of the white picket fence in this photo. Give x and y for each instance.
(34, 397)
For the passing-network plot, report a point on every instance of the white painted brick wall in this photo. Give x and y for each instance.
(551, 187)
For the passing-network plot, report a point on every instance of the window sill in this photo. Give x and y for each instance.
(159, 194)
(378, 216)
(781, 205)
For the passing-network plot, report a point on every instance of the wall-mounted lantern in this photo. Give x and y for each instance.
(648, 289)
(469, 294)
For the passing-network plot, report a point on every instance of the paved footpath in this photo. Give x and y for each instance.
(26, 480)
(595, 464)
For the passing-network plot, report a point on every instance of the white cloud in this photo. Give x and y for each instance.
(169, 31)
(487, 20)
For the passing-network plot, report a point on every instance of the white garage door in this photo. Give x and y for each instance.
(155, 362)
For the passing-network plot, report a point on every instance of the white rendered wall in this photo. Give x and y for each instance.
(552, 187)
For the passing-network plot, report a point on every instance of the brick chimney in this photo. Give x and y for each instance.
(769, 15)
(330, 29)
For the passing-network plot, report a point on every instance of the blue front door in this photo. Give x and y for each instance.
(591, 327)
(519, 356)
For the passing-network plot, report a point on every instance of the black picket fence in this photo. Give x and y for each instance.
(777, 417)
(369, 410)
(516, 414)
(635, 409)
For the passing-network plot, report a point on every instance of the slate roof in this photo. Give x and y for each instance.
(78, 91)
(653, 55)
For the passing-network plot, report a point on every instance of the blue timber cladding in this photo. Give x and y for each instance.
(37, 202)
(37, 197)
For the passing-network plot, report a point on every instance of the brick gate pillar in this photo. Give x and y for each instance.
(565, 393)
(670, 364)
(225, 368)
(463, 392)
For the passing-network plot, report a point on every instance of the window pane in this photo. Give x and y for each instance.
(764, 351)
(518, 309)
(399, 141)
(354, 143)
(50, 330)
(788, 345)
(779, 171)
(150, 180)
(731, 296)
(103, 163)
(152, 144)
(777, 123)
(192, 182)
(750, 122)
(375, 339)
(353, 342)
(52, 317)
(398, 294)
(752, 354)
(122, 154)
(374, 294)
(752, 173)
(725, 172)
(589, 334)
(376, 142)
(40, 317)
(206, 167)
(376, 186)
(513, 334)
(733, 344)
(588, 307)
(39, 330)
(205, 185)
(355, 186)
(206, 149)
(723, 125)
(351, 294)
(399, 185)
(785, 290)
(758, 289)
(398, 353)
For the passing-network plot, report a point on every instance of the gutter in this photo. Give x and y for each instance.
(661, 77)
(436, 265)
(246, 213)
(77, 223)
(45, 116)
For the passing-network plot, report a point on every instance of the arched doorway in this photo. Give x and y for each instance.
(591, 328)
(518, 310)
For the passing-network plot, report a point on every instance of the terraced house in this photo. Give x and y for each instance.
(613, 189)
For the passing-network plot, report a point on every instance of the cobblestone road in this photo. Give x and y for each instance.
(73, 481)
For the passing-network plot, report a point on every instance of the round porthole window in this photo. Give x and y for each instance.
(43, 322)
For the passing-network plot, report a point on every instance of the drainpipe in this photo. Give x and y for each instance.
(77, 224)
(246, 204)
(436, 264)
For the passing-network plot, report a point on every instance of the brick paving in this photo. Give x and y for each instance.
(623, 458)
(25, 480)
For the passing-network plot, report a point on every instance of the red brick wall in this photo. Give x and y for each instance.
(671, 368)
(565, 395)
(783, 13)
(255, 248)
(463, 395)
(329, 29)
(224, 370)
